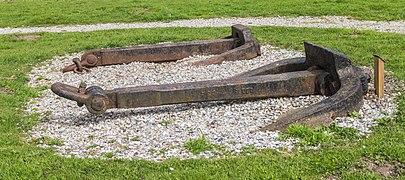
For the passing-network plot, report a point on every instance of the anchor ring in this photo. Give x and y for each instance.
(79, 68)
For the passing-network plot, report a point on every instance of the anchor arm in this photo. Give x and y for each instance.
(246, 51)
(282, 66)
(348, 98)
(345, 83)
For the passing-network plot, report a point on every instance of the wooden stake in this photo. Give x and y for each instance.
(379, 76)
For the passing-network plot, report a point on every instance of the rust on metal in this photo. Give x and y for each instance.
(240, 45)
(345, 83)
(321, 71)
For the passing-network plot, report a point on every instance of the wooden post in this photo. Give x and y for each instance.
(379, 76)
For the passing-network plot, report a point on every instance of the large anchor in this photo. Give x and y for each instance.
(321, 71)
(239, 46)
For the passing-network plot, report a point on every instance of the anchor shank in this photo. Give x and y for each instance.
(240, 45)
(278, 85)
(165, 52)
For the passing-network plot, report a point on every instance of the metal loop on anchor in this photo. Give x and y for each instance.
(79, 68)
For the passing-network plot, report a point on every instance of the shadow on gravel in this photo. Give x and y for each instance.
(84, 119)
(88, 118)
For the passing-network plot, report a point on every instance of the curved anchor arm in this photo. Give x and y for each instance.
(346, 83)
(246, 51)
(348, 98)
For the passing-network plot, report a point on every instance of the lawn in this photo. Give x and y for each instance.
(21, 13)
(342, 156)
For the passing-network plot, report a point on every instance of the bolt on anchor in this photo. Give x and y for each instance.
(321, 71)
(239, 46)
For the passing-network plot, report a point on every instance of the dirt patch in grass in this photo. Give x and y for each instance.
(27, 37)
(383, 167)
(5, 91)
(141, 11)
(332, 177)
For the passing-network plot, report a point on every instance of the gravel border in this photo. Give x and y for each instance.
(302, 21)
(159, 133)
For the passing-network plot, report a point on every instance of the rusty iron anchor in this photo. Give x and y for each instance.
(239, 46)
(321, 71)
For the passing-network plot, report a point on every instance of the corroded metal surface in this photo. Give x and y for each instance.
(264, 86)
(345, 83)
(322, 71)
(240, 45)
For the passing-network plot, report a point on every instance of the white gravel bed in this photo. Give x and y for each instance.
(302, 21)
(374, 107)
(159, 133)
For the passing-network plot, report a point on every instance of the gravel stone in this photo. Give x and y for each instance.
(159, 133)
(302, 21)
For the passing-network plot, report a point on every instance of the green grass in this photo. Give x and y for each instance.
(335, 157)
(48, 141)
(354, 114)
(135, 139)
(358, 45)
(196, 146)
(108, 155)
(166, 122)
(20, 13)
(316, 136)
